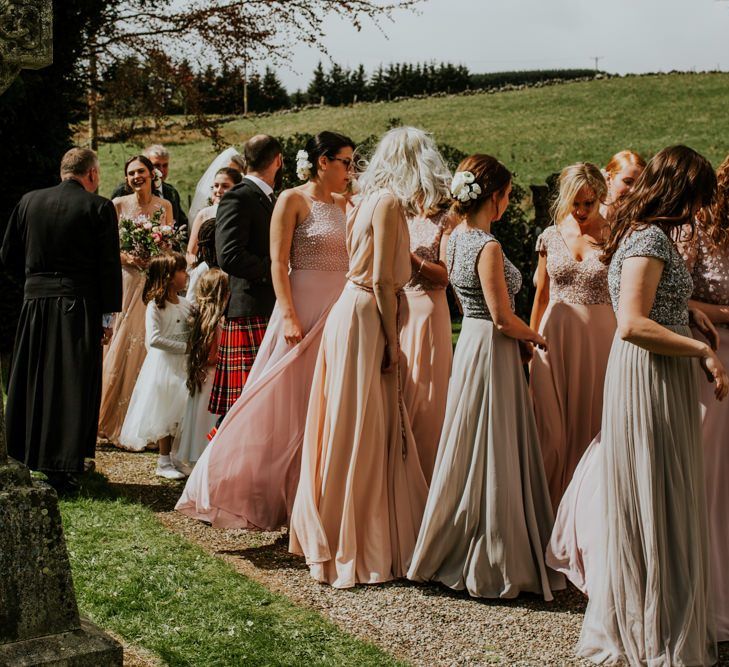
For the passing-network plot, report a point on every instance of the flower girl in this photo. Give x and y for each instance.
(205, 328)
(158, 401)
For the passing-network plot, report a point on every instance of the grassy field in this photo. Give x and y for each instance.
(534, 131)
(158, 592)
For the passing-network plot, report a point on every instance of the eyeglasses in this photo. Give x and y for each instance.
(347, 162)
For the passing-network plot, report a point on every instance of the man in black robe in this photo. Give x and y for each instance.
(64, 241)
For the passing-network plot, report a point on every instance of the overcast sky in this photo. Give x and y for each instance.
(490, 35)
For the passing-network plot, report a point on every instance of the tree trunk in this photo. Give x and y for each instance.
(93, 103)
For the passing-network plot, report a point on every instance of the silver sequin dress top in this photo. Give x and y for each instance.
(670, 306)
(464, 248)
(320, 240)
(570, 281)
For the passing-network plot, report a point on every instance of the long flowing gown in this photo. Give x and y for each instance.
(709, 266)
(649, 596)
(488, 516)
(247, 477)
(362, 492)
(567, 379)
(125, 356)
(425, 342)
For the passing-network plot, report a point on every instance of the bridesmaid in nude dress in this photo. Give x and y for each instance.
(572, 311)
(488, 515)
(362, 492)
(425, 337)
(707, 258)
(650, 588)
(621, 173)
(126, 353)
(247, 477)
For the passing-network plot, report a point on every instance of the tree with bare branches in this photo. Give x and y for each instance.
(235, 31)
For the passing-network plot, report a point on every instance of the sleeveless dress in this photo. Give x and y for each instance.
(425, 343)
(247, 476)
(649, 581)
(124, 357)
(362, 492)
(567, 380)
(488, 515)
(709, 267)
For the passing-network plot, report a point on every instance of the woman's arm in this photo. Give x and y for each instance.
(192, 243)
(385, 221)
(169, 216)
(638, 284)
(541, 296)
(290, 207)
(718, 314)
(155, 336)
(493, 283)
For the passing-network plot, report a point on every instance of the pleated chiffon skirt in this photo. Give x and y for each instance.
(650, 594)
(566, 385)
(488, 517)
(361, 493)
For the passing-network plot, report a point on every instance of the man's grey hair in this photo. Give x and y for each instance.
(156, 150)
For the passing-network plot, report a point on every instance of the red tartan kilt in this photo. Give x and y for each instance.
(239, 345)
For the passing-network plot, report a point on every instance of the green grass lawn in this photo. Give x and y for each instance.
(535, 131)
(157, 591)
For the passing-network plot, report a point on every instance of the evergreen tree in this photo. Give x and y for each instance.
(358, 84)
(318, 87)
(272, 91)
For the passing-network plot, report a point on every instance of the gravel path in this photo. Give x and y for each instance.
(423, 625)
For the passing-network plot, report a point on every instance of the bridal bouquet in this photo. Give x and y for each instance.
(144, 237)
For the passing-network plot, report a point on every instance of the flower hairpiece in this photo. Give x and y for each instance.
(303, 166)
(464, 186)
(157, 178)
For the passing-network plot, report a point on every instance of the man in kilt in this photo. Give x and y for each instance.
(242, 245)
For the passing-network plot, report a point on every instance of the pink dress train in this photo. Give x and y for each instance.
(362, 491)
(247, 476)
(567, 380)
(426, 344)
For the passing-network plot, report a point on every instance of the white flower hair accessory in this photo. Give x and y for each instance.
(464, 187)
(157, 178)
(303, 166)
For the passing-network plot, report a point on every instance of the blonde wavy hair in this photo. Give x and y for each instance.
(717, 222)
(571, 181)
(407, 164)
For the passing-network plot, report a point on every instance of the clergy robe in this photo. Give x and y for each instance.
(64, 241)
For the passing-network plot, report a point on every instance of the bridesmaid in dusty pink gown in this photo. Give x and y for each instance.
(362, 491)
(425, 336)
(247, 477)
(572, 311)
(707, 258)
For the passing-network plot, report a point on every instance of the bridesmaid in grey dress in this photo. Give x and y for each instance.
(488, 516)
(649, 601)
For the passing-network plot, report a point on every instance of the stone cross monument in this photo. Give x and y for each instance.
(39, 619)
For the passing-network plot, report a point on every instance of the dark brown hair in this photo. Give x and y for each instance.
(717, 222)
(233, 174)
(160, 272)
(327, 144)
(206, 244)
(491, 176)
(212, 297)
(260, 151)
(666, 194)
(78, 162)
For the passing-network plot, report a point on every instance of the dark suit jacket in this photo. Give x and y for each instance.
(168, 192)
(242, 229)
(69, 233)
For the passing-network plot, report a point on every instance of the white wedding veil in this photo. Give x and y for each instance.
(205, 185)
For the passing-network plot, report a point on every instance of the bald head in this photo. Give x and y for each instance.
(260, 152)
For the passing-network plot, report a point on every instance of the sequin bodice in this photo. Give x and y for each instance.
(463, 251)
(319, 241)
(425, 237)
(708, 265)
(571, 281)
(670, 306)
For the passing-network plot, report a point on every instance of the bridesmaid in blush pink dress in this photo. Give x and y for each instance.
(425, 337)
(572, 311)
(362, 491)
(247, 476)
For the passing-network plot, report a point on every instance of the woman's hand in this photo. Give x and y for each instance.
(701, 321)
(526, 351)
(391, 358)
(535, 339)
(716, 373)
(293, 332)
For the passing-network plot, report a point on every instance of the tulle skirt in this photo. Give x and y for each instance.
(488, 516)
(649, 596)
(191, 439)
(158, 401)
